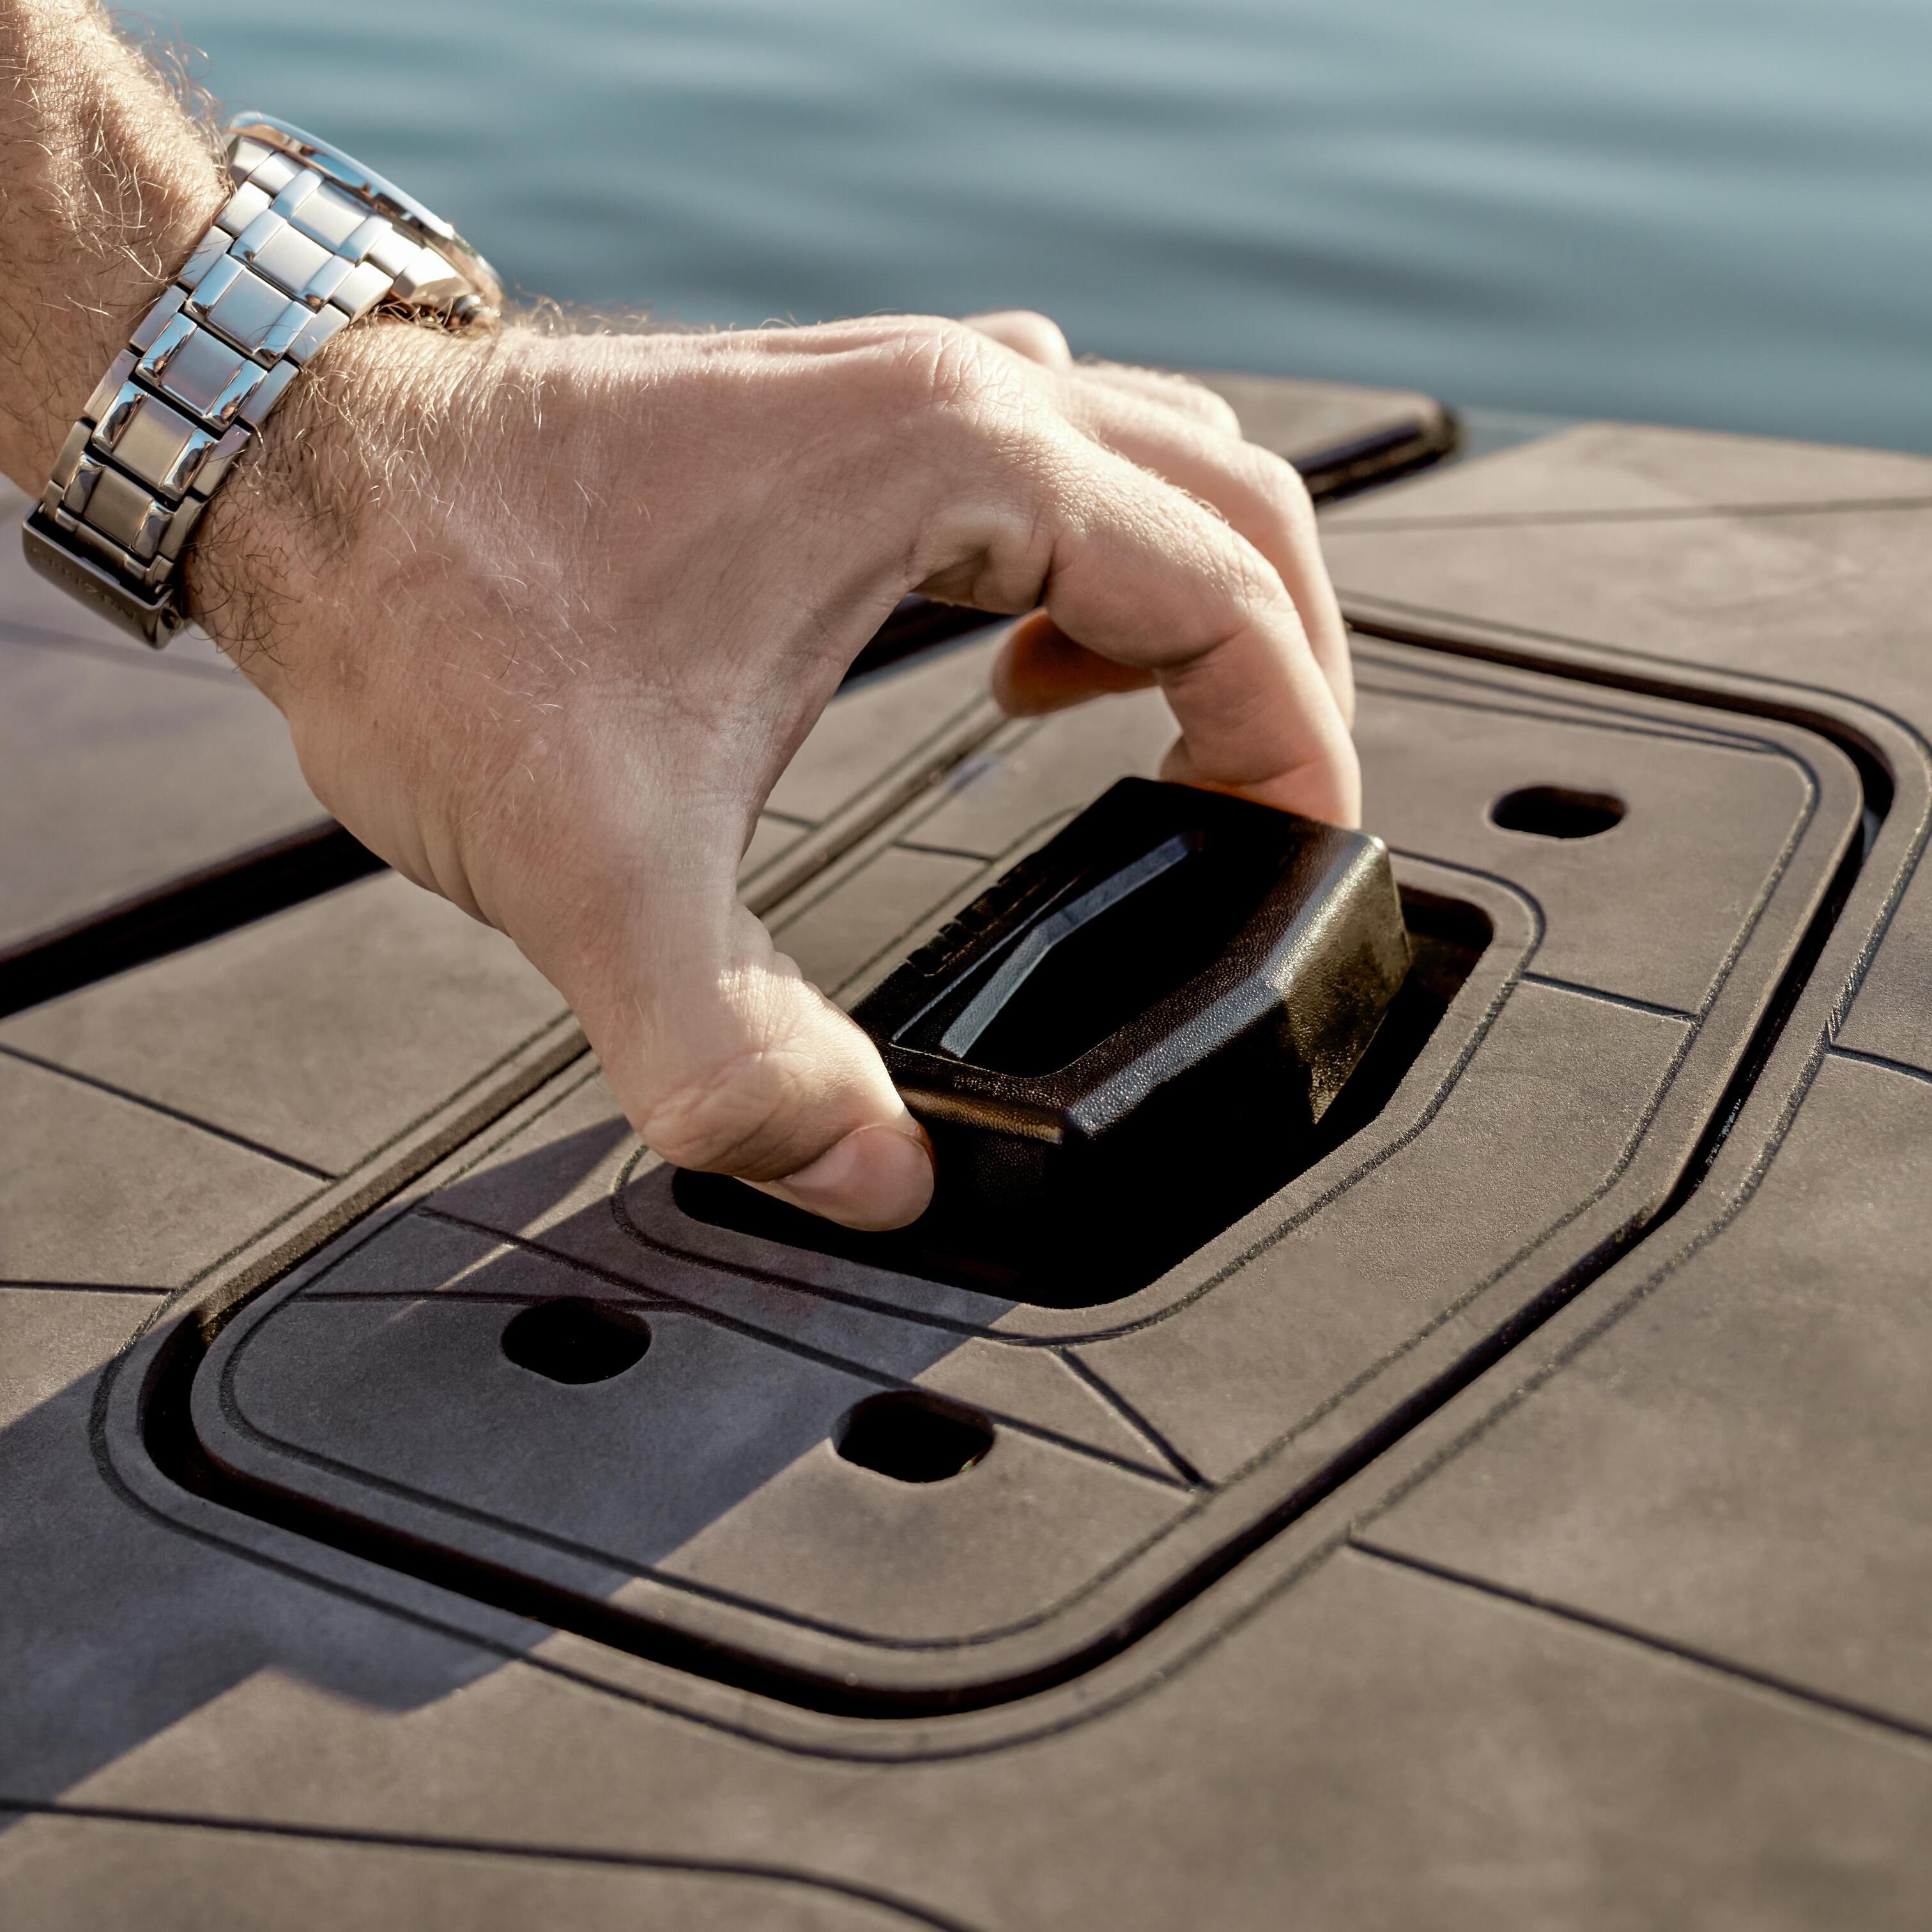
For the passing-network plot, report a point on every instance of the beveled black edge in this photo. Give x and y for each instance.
(1126, 813)
(1515, 929)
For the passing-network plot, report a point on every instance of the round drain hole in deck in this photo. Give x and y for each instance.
(1553, 811)
(912, 1437)
(575, 1340)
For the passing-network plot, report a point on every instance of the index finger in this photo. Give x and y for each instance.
(1141, 575)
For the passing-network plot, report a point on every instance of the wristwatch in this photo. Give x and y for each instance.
(309, 240)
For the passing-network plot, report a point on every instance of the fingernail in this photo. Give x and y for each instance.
(876, 1177)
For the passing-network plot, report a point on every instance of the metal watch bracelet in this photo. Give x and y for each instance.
(309, 240)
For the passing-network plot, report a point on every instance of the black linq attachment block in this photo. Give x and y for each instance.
(1128, 1039)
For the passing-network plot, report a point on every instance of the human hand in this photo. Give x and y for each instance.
(547, 615)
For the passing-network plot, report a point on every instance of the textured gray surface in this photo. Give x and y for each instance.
(1251, 1368)
(708, 1464)
(1620, 536)
(77, 1875)
(1738, 1466)
(1340, 1296)
(1680, 1568)
(1372, 1747)
(833, 936)
(320, 1034)
(1610, 470)
(96, 1189)
(859, 737)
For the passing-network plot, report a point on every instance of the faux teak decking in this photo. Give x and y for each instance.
(1519, 1520)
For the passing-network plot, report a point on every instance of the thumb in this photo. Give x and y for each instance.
(727, 1059)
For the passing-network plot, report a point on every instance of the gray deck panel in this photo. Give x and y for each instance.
(76, 1874)
(871, 913)
(1041, 770)
(1370, 1748)
(1527, 1770)
(321, 1032)
(1738, 1466)
(1804, 599)
(423, 1255)
(708, 1462)
(1650, 909)
(118, 1628)
(96, 1189)
(116, 779)
(1622, 469)
(1563, 1079)
(861, 735)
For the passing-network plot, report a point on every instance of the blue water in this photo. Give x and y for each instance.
(1708, 212)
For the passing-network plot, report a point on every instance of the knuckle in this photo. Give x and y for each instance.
(1216, 412)
(940, 366)
(1185, 395)
(1279, 484)
(1038, 337)
(1219, 412)
(1247, 584)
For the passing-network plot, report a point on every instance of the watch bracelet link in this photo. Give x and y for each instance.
(301, 250)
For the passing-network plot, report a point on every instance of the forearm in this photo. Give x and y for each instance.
(105, 185)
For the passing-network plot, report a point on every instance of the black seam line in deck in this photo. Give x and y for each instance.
(1884, 1061)
(1592, 701)
(186, 911)
(938, 852)
(520, 1123)
(176, 1113)
(366, 1185)
(1134, 1419)
(1660, 514)
(85, 1288)
(1713, 1661)
(1628, 1000)
(532, 1851)
(1579, 716)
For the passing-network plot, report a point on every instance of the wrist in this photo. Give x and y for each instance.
(339, 504)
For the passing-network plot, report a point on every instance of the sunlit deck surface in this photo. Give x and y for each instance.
(1517, 1520)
